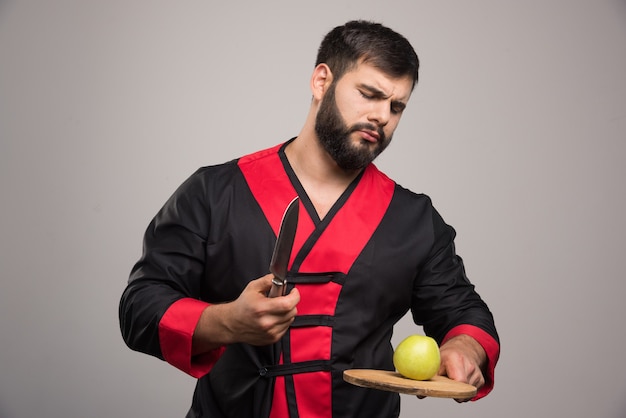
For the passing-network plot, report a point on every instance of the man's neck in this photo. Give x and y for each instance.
(323, 180)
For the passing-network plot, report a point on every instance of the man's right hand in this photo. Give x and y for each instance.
(252, 318)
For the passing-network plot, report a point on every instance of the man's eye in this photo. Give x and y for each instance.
(367, 96)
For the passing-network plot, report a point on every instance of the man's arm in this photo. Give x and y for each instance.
(164, 310)
(252, 318)
(192, 334)
(447, 305)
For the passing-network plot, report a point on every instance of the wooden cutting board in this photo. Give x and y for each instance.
(438, 386)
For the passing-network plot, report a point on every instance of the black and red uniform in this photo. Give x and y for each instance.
(380, 251)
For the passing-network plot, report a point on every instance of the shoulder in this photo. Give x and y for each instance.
(214, 180)
(259, 156)
(211, 176)
(400, 192)
(417, 200)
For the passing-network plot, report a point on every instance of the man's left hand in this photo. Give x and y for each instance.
(463, 359)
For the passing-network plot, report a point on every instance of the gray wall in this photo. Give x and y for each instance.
(516, 131)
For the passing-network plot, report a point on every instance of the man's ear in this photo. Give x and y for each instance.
(320, 80)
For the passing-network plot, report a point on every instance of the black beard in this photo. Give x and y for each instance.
(334, 135)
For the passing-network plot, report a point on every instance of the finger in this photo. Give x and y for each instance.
(286, 304)
(477, 379)
(455, 368)
(458, 374)
(294, 296)
(262, 284)
(284, 311)
(442, 369)
(283, 321)
(467, 372)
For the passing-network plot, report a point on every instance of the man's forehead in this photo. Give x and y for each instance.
(367, 75)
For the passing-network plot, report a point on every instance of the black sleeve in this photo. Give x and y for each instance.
(443, 296)
(170, 268)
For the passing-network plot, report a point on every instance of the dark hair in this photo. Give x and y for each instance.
(362, 41)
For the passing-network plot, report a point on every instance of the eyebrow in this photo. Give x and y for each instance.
(379, 94)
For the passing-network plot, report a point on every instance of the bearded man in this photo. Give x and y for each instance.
(366, 252)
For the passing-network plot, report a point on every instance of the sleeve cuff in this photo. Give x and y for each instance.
(491, 347)
(176, 330)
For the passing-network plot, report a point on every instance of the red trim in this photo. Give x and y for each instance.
(491, 347)
(268, 183)
(313, 393)
(176, 330)
(279, 399)
(302, 348)
(318, 299)
(336, 250)
(353, 225)
(272, 189)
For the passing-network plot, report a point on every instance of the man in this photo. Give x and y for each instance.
(366, 251)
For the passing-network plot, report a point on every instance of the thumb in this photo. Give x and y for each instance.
(262, 284)
(453, 371)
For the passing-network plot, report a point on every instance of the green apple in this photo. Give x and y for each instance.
(417, 357)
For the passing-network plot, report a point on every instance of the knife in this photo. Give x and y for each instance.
(282, 249)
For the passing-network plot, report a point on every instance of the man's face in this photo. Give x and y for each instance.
(359, 113)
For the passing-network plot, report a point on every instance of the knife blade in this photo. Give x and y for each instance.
(282, 249)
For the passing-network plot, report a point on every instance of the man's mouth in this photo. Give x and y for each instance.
(369, 135)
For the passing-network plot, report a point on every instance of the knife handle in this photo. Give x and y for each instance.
(278, 288)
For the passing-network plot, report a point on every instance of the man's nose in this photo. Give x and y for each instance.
(380, 113)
